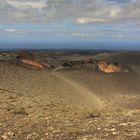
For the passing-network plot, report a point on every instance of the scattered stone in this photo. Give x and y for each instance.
(135, 133)
(4, 137)
(132, 123)
(46, 134)
(10, 133)
(113, 129)
(114, 133)
(32, 136)
(99, 128)
(130, 113)
(133, 112)
(123, 124)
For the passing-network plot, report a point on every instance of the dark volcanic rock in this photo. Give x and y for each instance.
(74, 64)
(25, 54)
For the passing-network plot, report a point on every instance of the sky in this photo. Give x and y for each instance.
(71, 23)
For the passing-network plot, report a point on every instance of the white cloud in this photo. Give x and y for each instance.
(20, 3)
(74, 11)
(94, 11)
(10, 30)
(79, 13)
(89, 20)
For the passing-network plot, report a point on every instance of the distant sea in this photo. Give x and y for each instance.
(95, 45)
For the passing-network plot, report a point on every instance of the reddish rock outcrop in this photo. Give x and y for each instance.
(110, 67)
(34, 64)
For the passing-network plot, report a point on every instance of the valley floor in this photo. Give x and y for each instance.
(69, 104)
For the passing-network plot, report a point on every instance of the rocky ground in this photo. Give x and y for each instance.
(30, 108)
(55, 121)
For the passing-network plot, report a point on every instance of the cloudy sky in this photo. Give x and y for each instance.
(69, 20)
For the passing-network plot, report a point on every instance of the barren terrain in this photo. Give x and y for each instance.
(64, 102)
